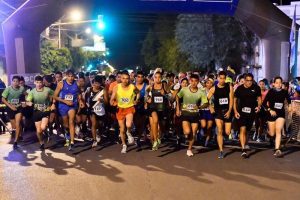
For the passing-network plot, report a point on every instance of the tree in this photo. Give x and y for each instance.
(160, 48)
(213, 40)
(78, 57)
(53, 59)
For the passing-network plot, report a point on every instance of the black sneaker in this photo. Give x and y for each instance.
(71, 147)
(244, 155)
(221, 155)
(42, 147)
(15, 145)
(278, 154)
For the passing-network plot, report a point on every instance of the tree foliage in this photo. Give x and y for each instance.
(213, 40)
(189, 42)
(53, 59)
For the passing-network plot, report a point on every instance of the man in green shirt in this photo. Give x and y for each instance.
(192, 97)
(41, 99)
(14, 99)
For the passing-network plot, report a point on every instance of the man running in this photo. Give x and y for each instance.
(140, 115)
(68, 95)
(223, 103)
(189, 111)
(247, 102)
(12, 97)
(41, 99)
(124, 94)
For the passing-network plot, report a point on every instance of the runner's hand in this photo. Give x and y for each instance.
(212, 109)
(13, 108)
(273, 113)
(178, 113)
(52, 107)
(257, 109)
(68, 103)
(227, 115)
(81, 104)
(237, 115)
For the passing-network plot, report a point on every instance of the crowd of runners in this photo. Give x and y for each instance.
(133, 108)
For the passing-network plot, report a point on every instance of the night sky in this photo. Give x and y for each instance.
(125, 32)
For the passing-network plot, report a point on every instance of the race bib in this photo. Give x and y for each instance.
(278, 106)
(69, 97)
(125, 100)
(191, 106)
(15, 101)
(99, 110)
(246, 110)
(223, 101)
(158, 99)
(41, 107)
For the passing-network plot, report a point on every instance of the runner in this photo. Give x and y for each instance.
(124, 94)
(12, 97)
(274, 103)
(247, 102)
(41, 99)
(223, 102)
(206, 116)
(156, 104)
(68, 96)
(189, 109)
(140, 114)
(96, 98)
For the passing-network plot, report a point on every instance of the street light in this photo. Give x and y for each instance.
(75, 15)
(88, 31)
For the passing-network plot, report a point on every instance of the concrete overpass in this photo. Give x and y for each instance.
(22, 29)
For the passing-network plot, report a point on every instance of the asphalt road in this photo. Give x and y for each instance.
(105, 173)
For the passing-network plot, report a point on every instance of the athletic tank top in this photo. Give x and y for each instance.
(125, 98)
(70, 92)
(158, 100)
(94, 104)
(221, 97)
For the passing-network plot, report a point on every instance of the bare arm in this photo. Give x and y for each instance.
(57, 91)
(211, 93)
(231, 99)
(113, 96)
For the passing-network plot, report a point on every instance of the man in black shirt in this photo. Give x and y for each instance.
(223, 103)
(247, 102)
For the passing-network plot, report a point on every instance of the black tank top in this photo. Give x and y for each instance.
(221, 97)
(158, 100)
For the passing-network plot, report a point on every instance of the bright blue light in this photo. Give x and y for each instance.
(89, 67)
(101, 25)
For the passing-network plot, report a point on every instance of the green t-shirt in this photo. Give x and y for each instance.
(191, 101)
(13, 96)
(40, 99)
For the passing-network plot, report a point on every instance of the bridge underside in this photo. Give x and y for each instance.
(21, 31)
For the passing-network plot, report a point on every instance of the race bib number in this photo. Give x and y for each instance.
(191, 106)
(246, 110)
(125, 100)
(99, 110)
(158, 99)
(278, 106)
(41, 107)
(223, 101)
(15, 101)
(69, 97)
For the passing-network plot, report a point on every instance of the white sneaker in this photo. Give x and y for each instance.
(189, 153)
(124, 149)
(98, 138)
(130, 138)
(94, 144)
